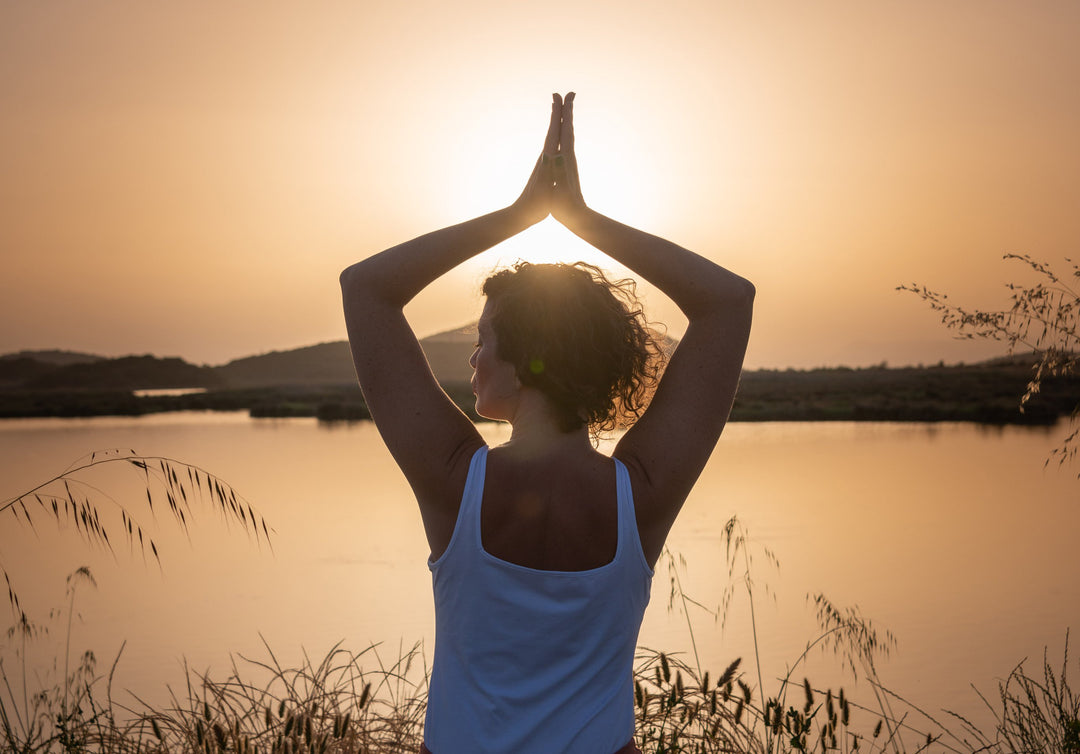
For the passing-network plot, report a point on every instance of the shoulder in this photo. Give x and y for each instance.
(440, 504)
(655, 506)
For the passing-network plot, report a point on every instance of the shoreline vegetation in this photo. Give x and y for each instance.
(355, 702)
(317, 381)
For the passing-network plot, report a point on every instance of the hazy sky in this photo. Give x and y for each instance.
(188, 178)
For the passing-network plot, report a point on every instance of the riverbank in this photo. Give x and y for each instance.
(987, 393)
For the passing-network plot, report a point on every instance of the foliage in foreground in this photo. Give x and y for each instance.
(358, 702)
(361, 702)
(75, 498)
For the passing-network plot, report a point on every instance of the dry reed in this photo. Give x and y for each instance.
(70, 498)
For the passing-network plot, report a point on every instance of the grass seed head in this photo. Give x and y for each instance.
(729, 673)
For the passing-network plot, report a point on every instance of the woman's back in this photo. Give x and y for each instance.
(555, 513)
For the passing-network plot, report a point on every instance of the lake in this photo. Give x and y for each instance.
(953, 537)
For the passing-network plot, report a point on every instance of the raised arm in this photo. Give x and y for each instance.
(428, 436)
(670, 444)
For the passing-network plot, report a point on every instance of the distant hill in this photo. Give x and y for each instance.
(331, 363)
(53, 357)
(125, 373)
(16, 371)
(318, 365)
(322, 364)
(448, 353)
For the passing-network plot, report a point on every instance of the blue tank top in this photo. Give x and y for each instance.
(528, 660)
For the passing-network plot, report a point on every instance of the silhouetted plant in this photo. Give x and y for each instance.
(679, 709)
(335, 705)
(1040, 715)
(48, 715)
(357, 702)
(1043, 318)
(674, 716)
(69, 498)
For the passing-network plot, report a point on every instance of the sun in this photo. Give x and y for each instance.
(491, 172)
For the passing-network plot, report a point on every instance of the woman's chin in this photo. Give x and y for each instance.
(486, 412)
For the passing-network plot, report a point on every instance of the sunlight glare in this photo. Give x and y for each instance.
(493, 163)
(546, 242)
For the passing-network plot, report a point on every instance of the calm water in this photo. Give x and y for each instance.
(953, 537)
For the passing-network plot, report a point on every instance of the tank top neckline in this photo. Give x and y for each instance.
(475, 509)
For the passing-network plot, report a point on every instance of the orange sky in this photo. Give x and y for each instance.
(189, 178)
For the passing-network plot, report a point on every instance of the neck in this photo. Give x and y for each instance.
(536, 431)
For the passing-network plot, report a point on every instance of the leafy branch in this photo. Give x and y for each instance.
(1043, 318)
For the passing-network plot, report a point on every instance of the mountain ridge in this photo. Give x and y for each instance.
(328, 363)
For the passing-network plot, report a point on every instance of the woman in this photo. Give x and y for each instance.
(542, 548)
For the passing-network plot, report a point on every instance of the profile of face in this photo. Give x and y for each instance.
(494, 380)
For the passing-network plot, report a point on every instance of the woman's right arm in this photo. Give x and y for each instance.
(428, 436)
(669, 445)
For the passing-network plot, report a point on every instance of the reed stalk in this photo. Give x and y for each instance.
(70, 498)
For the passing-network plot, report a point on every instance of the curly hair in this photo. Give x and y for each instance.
(579, 338)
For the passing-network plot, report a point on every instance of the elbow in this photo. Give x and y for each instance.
(730, 295)
(351, 277)
(745, 298)
(727, 304)
(742, 290)
(736, 293)
(745, 292)
(357, 282)
(365, 291)
(357, 290)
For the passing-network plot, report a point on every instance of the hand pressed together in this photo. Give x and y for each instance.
(553, 187)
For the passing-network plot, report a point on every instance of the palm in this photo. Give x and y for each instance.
(553, 187)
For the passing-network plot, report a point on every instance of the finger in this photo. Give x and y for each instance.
(566, 137)
(551, 143)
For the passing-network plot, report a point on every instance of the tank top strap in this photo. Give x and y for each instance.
(468, 520)
(467, 526)
(629, 539)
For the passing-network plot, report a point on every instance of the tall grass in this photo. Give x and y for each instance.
(336, 704)
(74, 497)
(369, 701)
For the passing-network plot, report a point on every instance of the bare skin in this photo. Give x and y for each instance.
(549, 496)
